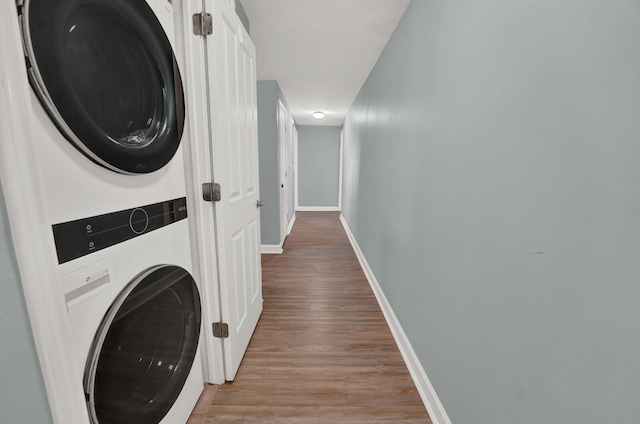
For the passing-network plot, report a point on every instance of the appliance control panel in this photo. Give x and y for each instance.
(81, 237)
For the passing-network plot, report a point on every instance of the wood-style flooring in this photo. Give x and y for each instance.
(322, 351)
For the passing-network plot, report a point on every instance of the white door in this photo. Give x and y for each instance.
(282, 170)
(234, 151)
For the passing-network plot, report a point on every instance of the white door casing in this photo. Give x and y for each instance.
(282, 170)
(295, 169)
(193, 61)
(232, 90)
(340, 171)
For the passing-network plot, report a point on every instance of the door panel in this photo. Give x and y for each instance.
(254, 267)
(248, 123)
(193, 60)
(239, 276)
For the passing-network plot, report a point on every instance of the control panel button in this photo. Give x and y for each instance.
(139, 220)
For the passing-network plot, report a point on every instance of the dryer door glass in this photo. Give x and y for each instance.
(143, 351)
(105, 72)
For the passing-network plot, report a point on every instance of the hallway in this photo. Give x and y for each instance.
(322, 351)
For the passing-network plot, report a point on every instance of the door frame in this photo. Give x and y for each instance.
(295, 169)
(340, 162)
(283, 190)
(193, 60)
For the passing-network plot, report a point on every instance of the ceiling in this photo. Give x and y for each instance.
(320, 51)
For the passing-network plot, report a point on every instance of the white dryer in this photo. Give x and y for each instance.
(135, 314)
(107, 116)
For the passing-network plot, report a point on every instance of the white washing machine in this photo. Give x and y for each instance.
(107, 117)
(135, 315)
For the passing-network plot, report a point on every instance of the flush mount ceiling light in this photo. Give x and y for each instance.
(318, 115)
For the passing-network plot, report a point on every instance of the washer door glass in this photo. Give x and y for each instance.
(105, 72)
(142, 353)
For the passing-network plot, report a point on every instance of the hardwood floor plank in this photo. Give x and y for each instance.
(322, 351)
(205, 399)
(315, 415)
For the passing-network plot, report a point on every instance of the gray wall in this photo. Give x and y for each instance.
(506, 135)
(268, 152)
(268, 96)
(318, 165)
(22, 395)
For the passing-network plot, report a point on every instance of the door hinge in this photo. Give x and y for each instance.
(220, 330)
(211, 192)
(202, 24)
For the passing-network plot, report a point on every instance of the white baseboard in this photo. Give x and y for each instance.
(429, 397)
(276, 249)
(271, 249)
(290, 226)
(318, 209)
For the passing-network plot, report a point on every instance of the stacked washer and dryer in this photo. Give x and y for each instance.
(107, 116)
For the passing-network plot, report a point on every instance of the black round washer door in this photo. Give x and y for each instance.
(105, 72)
(143, 350)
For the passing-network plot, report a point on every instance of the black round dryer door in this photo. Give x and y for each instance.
(105, 72)
(143, 350)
